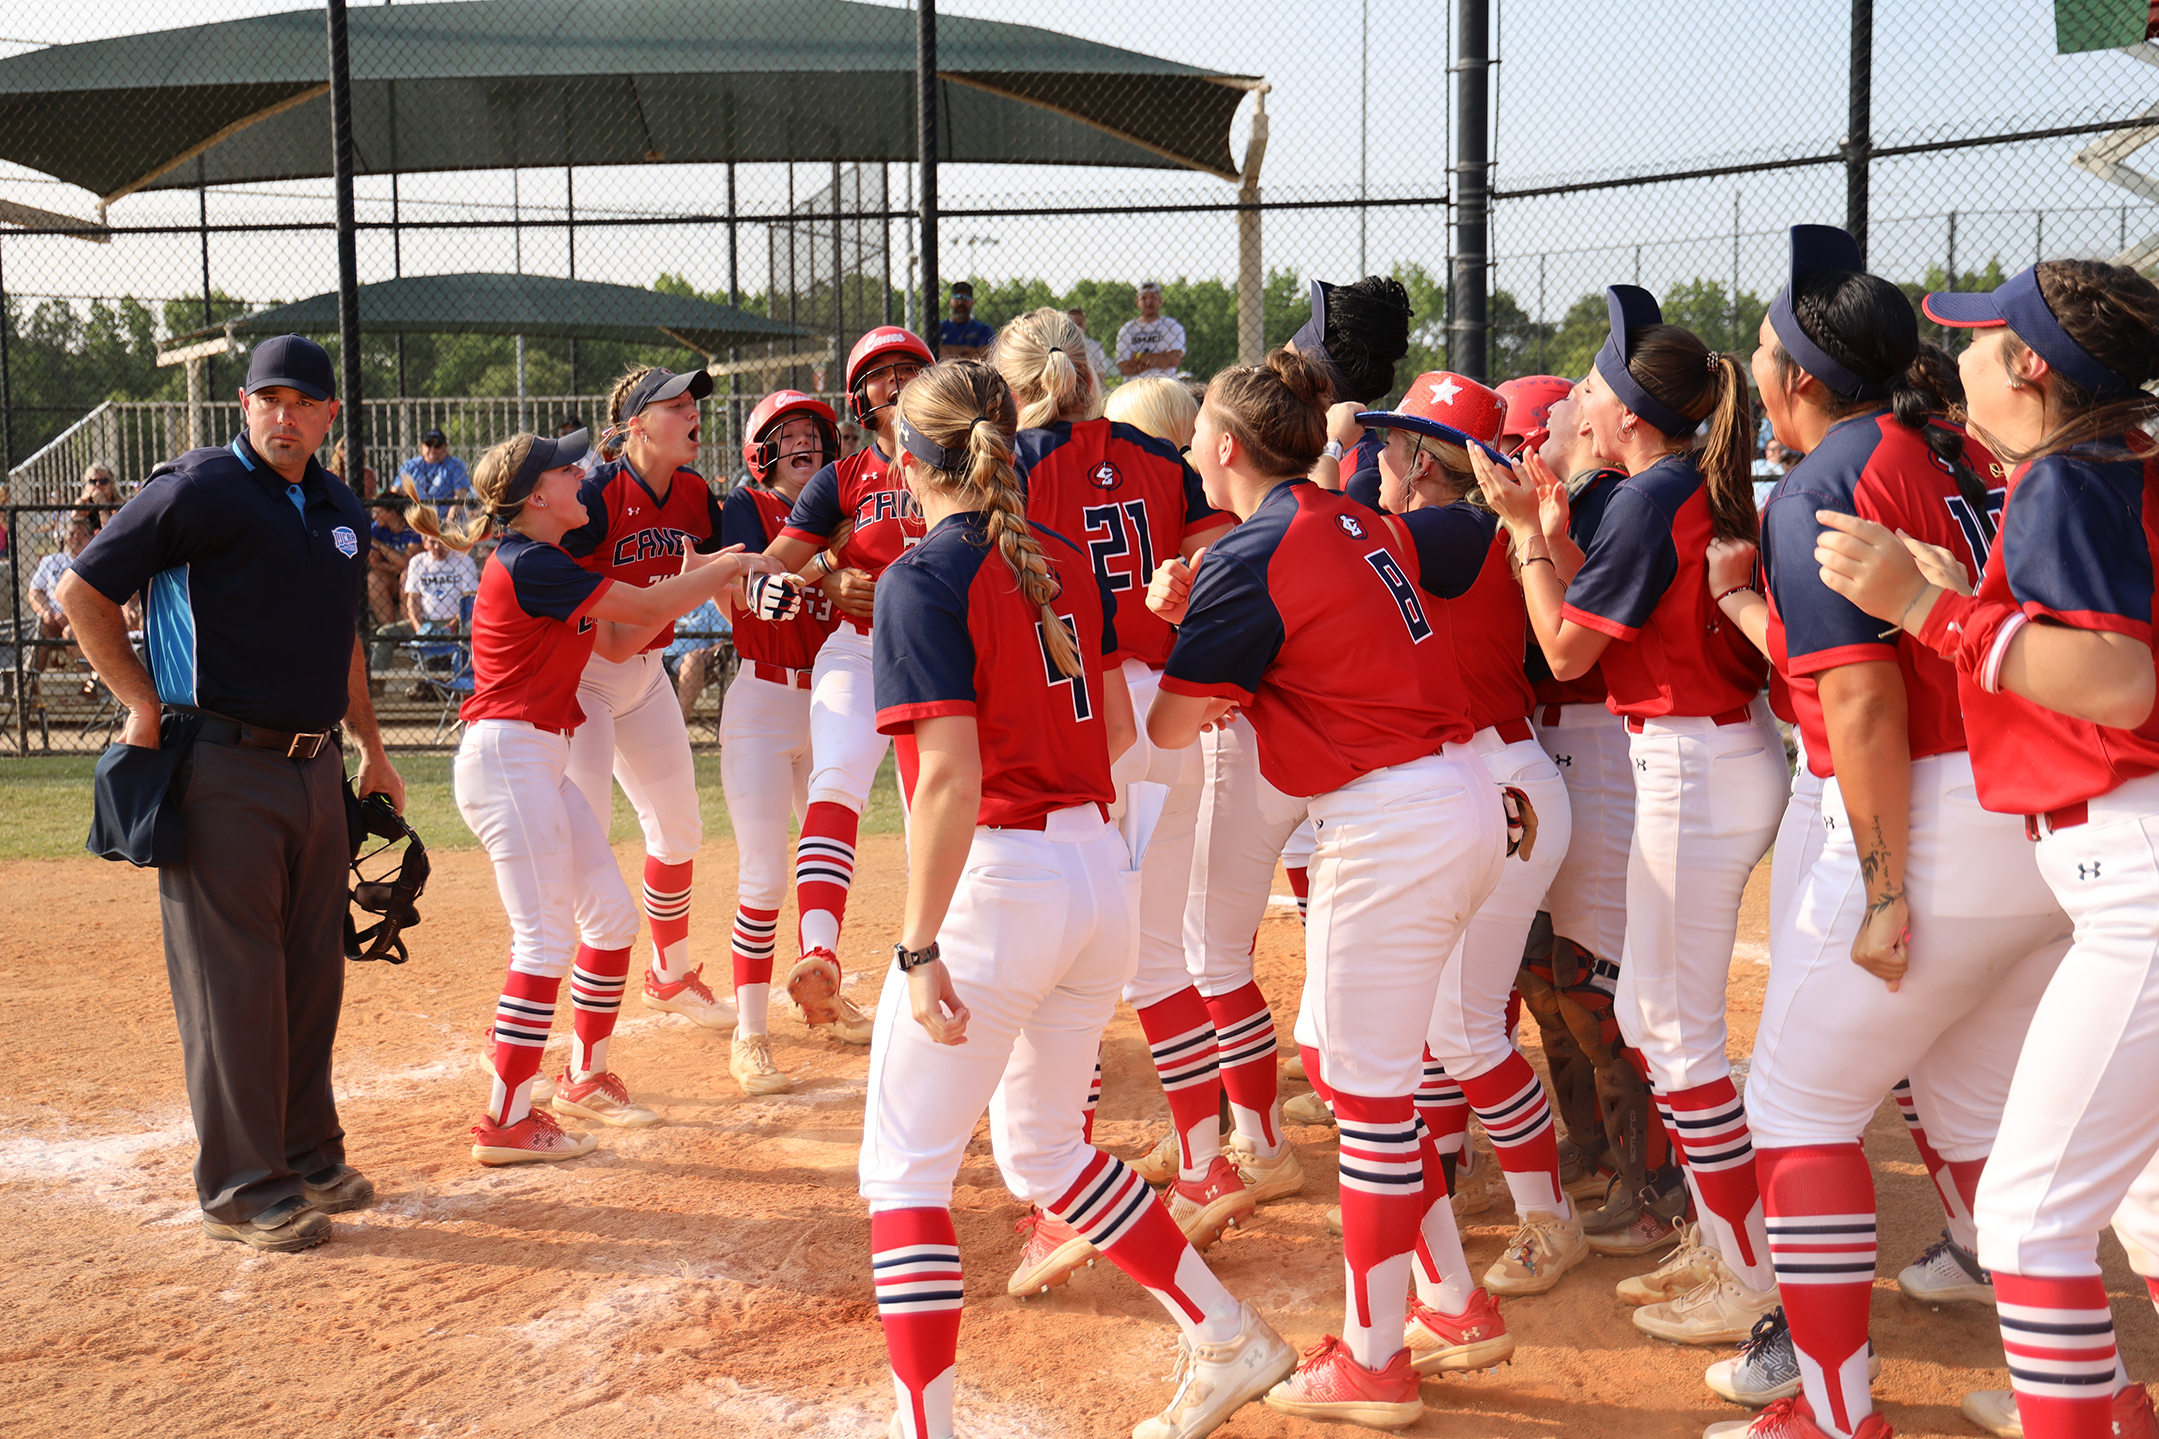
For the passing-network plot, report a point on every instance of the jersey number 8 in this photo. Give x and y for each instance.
(1405, 594)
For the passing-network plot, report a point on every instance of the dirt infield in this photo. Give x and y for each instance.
(706, 1276)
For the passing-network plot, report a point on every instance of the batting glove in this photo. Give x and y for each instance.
(774, 597)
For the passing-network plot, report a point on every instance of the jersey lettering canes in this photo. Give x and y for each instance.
(865, 490)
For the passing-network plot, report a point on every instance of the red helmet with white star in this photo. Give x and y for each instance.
(1447, 407)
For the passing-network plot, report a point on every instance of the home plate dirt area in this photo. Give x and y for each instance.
(709, 1275)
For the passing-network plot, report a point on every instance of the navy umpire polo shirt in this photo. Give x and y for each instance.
(251, 587)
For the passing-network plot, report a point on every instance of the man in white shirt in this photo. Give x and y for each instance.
(437, 579)
(1098, 361)
(1153, 344)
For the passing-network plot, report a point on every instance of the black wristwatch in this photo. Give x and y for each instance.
(908, 959)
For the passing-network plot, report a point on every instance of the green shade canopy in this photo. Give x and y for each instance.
(497, 84)
(538, 305)
(2081, 25)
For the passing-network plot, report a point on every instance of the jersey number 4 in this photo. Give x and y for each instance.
(1114, 530)
(1405, 594)
(1082, 707)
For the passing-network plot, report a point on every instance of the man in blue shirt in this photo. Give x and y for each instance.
(252, 560)
(435, 476)
(963, 337)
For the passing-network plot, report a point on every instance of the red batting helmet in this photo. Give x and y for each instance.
(1530, 399)
(1447, 407)
(880, 347)
(760, 442)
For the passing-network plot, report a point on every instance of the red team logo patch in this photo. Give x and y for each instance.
(1105, 477)
(1350, 526)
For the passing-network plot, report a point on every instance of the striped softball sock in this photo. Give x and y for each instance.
(1094, 1099)
(1383, 1209)
(755, 933)
(1718, 1151)
(1510, 1104)
(1113, 1209)
(824, 872)
(915, 1261)
(1300, 885)
(1820, 1203)
(1442, 1269)
(1443, 1107)
(1180, 1036)
(523, 1015)
(667, 906)
(2059, 1338)
(1955, 1181)
(1244, 1036)
(596, 984)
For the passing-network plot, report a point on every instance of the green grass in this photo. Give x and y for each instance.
(45, 804)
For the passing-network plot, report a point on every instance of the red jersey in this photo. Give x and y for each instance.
(631, 536)
(1873, 467)
(1316, 616)
(752, 518)
(864, 489)
(1645, 582)
(1129, 500)
(1590, 497)
(2076, 546)
(532, 632)
(955, 636)
(1491, 621)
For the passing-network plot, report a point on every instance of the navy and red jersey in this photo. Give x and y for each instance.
(1129, 500)
(1491, 623)
(1360, 470)
(866, 490)
(632, 536)
(2076, 546)
(1587, 510)
(1873, 467)
(753, 518)
(956, 636)
(1315, 616)
(1645, 582)
(532, 631)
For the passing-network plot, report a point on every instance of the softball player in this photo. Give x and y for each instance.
(642, 508)
(1125, 498)
(1369, 720)
(765, 756)
(2056, 678)
(538, 619)
(1529, 400)
(1709, 772)
(994, 641)
(1921, 937)
(1424, 468)
(858, 508)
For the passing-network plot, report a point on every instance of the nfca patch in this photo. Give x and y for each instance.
(1105, 477)
(1350, 526)
(348, 543)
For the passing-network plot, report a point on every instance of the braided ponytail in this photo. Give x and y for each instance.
(491, 477)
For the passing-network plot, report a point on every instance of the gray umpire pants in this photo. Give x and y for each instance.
(254, 946)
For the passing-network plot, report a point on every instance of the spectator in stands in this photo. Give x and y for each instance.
(569, 426)
(392, 543)
(963, 337)
(696, 662)
(1098, 361)
(851, 438)
(436, 581)
(1153, 344)
(365, 489)
(45, 589)
(435, 476)
(99, 487)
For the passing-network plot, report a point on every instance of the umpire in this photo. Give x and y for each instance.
(252, 560)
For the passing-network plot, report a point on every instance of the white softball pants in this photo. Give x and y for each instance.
(1159, 791)
(1798, 844)
(1039, 940)
(633, 729)
(1468, 1030)
(1244, 822)
(1402, 859)
(554, 869)
(1588, 895)
(1987, 935)
(2081, 1126)
(844, 743)
(765, 773)
(1707, 801)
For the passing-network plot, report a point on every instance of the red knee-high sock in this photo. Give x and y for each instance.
(523, 1016)
(1113, 1209)
(596, 983)
(1383, 1204)
(2060, 1341)
(915, 1258)
(1180, 1035)
(667, 905)
(1718, 1150)
(824, 871)
(1244, 1034)
(1443, 1107)
(1820, 1203)
(1300, 885)
(1315, 1074)
(1094, 1100)
(1510, 1103)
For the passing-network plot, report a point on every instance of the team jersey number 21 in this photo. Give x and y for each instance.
(1119, 529)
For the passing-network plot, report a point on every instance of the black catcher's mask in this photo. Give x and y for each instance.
(393, 896)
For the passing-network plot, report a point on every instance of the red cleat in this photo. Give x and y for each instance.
(1477, 1338)
(1329, 1384)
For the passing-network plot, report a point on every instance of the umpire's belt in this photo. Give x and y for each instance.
(217, 729)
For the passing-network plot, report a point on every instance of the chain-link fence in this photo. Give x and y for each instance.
(738, 184)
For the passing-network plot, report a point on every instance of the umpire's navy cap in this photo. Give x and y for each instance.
(294, 361)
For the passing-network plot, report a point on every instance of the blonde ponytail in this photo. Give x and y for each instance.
(1041, 355)
(491, 478)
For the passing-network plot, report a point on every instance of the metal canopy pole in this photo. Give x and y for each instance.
(348, 259)
(1472, 203)
(926, 99)
(1858, 146)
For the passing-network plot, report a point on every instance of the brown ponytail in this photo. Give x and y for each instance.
(962, 404)
(1672, 363)
(1043, 358)
(491, 477)
(2112, 312)
(1277, 411)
